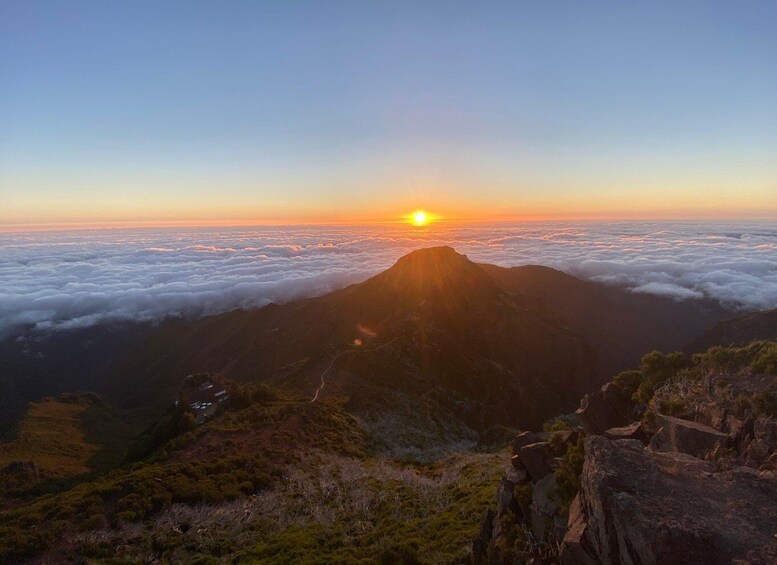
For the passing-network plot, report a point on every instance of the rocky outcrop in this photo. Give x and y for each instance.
(525, 438)
(527, 523)
(575, 548)
(696, 487)
(606, 408)
(537, 458)
(684, 436)
(644, 507)
(632, 431)
(544, 510)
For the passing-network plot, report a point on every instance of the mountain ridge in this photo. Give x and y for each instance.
(138, 364)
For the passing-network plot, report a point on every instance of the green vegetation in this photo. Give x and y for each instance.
(176, 421)
(567, 474)
(280, 479)
(765, 402)
(759, 356)
(236, 455)
(556, 425)
(64, 439)
(424, 515)
(52, 436)
(656, 369)
(325, 509)
(628, 382)
(672, 385)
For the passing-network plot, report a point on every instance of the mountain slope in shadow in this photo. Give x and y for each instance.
(491, 344)
(620, 325)
(738, 331)
(435, 325)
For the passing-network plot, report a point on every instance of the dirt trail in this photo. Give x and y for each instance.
(341, 354)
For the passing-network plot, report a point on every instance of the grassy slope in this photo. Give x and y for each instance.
(327, 509)
(65, 438)
(52, 437)
(282, 480)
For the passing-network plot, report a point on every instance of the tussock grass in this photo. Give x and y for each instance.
(330, 509)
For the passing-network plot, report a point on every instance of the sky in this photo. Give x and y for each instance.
(325, 112)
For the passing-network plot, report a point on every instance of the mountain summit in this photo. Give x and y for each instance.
(435, 269)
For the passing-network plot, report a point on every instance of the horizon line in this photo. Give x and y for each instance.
(163, 224)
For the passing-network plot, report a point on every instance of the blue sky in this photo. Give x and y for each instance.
(346, 110)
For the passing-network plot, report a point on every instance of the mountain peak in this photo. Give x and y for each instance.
(434, 269)
(442, 257)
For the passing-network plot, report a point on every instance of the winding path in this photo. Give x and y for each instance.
(341, 354)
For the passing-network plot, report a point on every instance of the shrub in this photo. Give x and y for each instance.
(766, 358)
(656, 369)
(567, 475)
(672, 406)
(628, 382)
(743, 404)
(765, 402)
(555, 425)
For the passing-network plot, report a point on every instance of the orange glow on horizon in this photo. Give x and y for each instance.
(465, 212)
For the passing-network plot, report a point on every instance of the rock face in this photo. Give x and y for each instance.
(703, 491)
(537, 458)
(575, 548)
(527, 523)
(632, 431)
(525, 438)
(606, 408)
(643, 507)
(685, 436)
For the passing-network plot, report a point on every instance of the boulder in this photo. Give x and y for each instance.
(643, 507)
(543, 508)
(632, 431)
(713, 414)
(537, 458)
(606, 408)
(480, 543)
(685, 436)
(504, 497)
(504, 493)
(514, 475)
(574, 548)
(525, 438)
(520, 475)
(487, 525)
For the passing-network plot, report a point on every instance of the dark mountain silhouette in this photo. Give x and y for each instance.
(525, 341)
(435, 324)
(35, 365)
(738, 331)
(619, 324)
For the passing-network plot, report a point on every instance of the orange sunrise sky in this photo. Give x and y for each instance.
(356, 113)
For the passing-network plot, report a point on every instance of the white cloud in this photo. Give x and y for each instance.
(79, 278)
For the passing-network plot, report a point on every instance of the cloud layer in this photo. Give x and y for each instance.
(57, 280)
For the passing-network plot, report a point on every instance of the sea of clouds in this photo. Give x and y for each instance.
(70, 279)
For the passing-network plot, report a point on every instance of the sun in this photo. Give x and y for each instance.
(419, 218)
